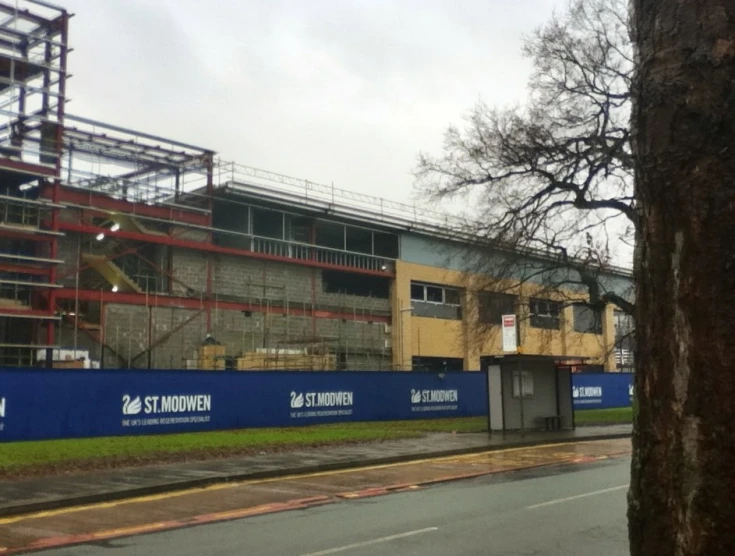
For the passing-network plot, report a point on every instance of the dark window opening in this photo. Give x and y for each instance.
(587, 319)
(330, 235)
(434, 294)
(451, 297)
(359, 240)
(267, 223)
(492, 306)
(545, 314)
(355, 284)
(386, 245)
(228, 216)
(417, 292)
(299, 228)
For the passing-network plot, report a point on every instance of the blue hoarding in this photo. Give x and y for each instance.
(42, 404)
(602, 390)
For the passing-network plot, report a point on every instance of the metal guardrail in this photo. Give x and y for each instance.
(319, 254)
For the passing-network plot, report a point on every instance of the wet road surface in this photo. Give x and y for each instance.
(581, 498)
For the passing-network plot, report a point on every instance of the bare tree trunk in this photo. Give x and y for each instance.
(682, 494)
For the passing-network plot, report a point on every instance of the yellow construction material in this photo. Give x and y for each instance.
(282, 362)
(211, 351)
(209, 358)
(112, 273)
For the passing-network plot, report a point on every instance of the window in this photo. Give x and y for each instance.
(429, 300)
(492, 306)
(386, 245)
(299, 228)
(330, 235)
(355, 284)
(587, 319)
(451, 297)
(229, 216)
(545, 314)
(359, 240)
(522, 382)
(434, 294)
(267, 223)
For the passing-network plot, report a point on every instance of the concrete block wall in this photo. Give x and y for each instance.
(241, 276)
(126, 326)
(126, 332)
(244, 278)
(245, 333)
(190, 269)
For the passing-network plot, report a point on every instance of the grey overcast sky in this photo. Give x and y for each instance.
(342, 91)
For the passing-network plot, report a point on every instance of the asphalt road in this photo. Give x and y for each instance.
(569, 511)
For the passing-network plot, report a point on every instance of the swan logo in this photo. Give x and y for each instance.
(2, 407)
(434, 396)
(587, 392)
(197, 403)
(131, 406)
(321, 399)
(631, 391)
(297, 400)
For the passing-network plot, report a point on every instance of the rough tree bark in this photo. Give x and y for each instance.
(682, 494)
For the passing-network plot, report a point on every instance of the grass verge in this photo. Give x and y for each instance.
(54, 456)
(59, 456)
(612, 416)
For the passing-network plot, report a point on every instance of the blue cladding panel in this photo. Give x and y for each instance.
(424, 250)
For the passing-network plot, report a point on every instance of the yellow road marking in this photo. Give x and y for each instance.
(128, 530)
(228, 485)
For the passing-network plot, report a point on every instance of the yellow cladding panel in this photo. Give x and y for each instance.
(434, 337)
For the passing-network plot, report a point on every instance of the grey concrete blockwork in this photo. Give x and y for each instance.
(251, 278)
(131, 329)
(190, 269)
(270, 287)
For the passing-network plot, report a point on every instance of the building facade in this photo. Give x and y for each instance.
(139, 251)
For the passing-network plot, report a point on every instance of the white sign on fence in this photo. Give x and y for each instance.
(510, 335)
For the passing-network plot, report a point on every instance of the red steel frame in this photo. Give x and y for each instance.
(54, 251)
(178, 210)
(51, 32)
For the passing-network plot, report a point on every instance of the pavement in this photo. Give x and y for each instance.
(48, 493)
(567, 510)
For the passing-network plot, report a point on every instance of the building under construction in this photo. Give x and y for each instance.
(129, 250)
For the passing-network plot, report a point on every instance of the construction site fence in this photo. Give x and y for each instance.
(38, 404)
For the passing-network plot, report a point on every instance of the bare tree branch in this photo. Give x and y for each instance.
(550, 178)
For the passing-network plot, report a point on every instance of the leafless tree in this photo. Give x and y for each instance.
(550, 182)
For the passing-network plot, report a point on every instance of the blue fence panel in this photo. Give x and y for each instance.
(42, 404)
(602, 390)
